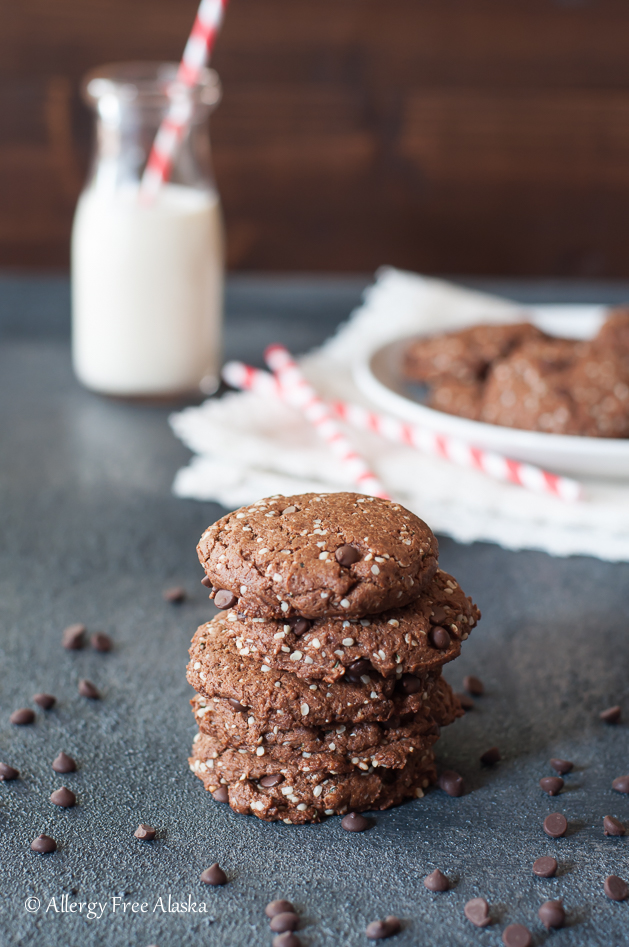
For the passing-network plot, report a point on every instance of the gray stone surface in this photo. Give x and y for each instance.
(90, 532)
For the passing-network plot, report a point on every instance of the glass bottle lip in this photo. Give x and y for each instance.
(148, 84)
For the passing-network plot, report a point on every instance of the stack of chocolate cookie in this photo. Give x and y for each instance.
(319, 687)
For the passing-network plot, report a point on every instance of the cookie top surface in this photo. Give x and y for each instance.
(338, 554)
(417, 638)
(219, 668)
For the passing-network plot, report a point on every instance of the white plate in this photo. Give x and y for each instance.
(380, 378)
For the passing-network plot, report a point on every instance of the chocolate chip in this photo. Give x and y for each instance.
(63, 763)
(73, 637)
(473, 685)
(613, 826)
(621, 784)
(101, 642)
(555, 825)
(410, 684)
(7, 773)
(354, 822)
(438, 616)
(616, 889)
(225, 599)
(300, 626)
(22, 716)
(145, 832)
(214, 875)
(491, 757)
(439, 638)
(286, 940)
(43, 845)
(347, 555)
(552, 914)
(356, 670)
(221, 794)
(206, 581)
(551, 784)
(516, 935)
(611, 715)
(45, 701)
(286, 921)
(281, 906)
(379, 930)
(87, 689)
(175, 596)
(562, 766)
(466, 702)
(451, 783)
(545, 867)
(63, 797)
(269, 781)
(477, 911)
(436, 881)
(236, 705)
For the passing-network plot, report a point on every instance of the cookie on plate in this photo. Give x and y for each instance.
(457, 397)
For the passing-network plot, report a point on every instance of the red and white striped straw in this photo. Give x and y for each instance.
(195, 56)
(298, 392)
(459, 452)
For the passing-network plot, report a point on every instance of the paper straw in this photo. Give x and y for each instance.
(195, 56)
(459, 452)
(298, 392)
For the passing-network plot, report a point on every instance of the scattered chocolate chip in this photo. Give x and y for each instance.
(621, 784)
(613, 826)
(438, 616)
(473, 685)
(347, 555)
(286, 921)
(43, 845)
(436, 881)
(101, 642)
(269, 781)
(451, 783)
(545, 867)
(236, 705)
(22, 716)
(87, 689)
(175, 596)
(552, 914)
(63, 763)
(491, 757)
(300, 626)
(7, 773)
(551, 784)
(516, 935)
(439, 638)
(356, 669)
(221, 794)
(611, 715)
(281, 906)
(225, 599)
(45, 701)
(379, 930)
(477, 911)
(286, 940)
(555, 825)
(145, 832)
(466, 702)
(206, 581)
(354, 822)
(214, 875)
(616, 889)
(63, 797)
(562, 766)
(410, 684)
(73, 637)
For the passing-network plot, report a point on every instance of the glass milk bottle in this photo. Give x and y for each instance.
(147, 274)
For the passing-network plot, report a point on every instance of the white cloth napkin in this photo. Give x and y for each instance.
(248, 447)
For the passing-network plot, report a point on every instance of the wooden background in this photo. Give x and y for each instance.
(456, 136)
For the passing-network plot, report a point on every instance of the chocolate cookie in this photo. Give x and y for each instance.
(306, 797)
(424, 635)
(311, 556)
(613, 335)
(457, 397)
(219, 668)
(599, 386)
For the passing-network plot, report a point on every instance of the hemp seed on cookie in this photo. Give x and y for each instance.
(314, 556)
